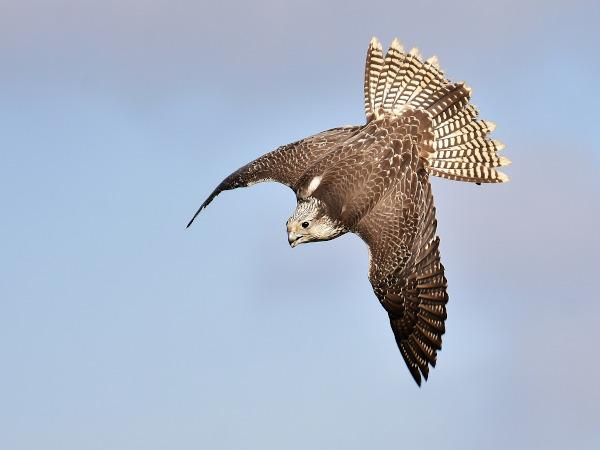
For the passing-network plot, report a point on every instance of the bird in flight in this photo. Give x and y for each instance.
(373, 180)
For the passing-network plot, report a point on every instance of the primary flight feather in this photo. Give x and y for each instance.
(373, 180)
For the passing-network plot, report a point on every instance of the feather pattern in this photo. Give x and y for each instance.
(373, 180)
(405, 81)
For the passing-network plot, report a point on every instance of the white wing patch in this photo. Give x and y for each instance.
(314, 184)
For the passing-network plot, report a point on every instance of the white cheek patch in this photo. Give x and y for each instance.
(314, 184)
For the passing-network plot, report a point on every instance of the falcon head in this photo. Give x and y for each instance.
(310, 222)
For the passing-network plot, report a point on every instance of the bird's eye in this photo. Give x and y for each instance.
(304, 224)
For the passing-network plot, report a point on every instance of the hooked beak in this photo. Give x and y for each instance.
(293, 238)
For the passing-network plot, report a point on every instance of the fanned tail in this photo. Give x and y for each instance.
(461, 149)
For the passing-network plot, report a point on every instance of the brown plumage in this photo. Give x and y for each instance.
(373, 180)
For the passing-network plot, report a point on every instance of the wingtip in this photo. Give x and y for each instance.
(210, 198)
(190, 223)
(418, 380)
(416, 374)
(195, 215)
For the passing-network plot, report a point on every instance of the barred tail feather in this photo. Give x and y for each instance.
(462, 149)
(477, 174)
(372, 72)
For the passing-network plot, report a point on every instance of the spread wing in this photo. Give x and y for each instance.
(285, 165)
(376, 184)
(405, 269)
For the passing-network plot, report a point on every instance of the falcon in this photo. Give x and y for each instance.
(373, 180)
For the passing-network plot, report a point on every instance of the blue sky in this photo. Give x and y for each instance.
(119, 329)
